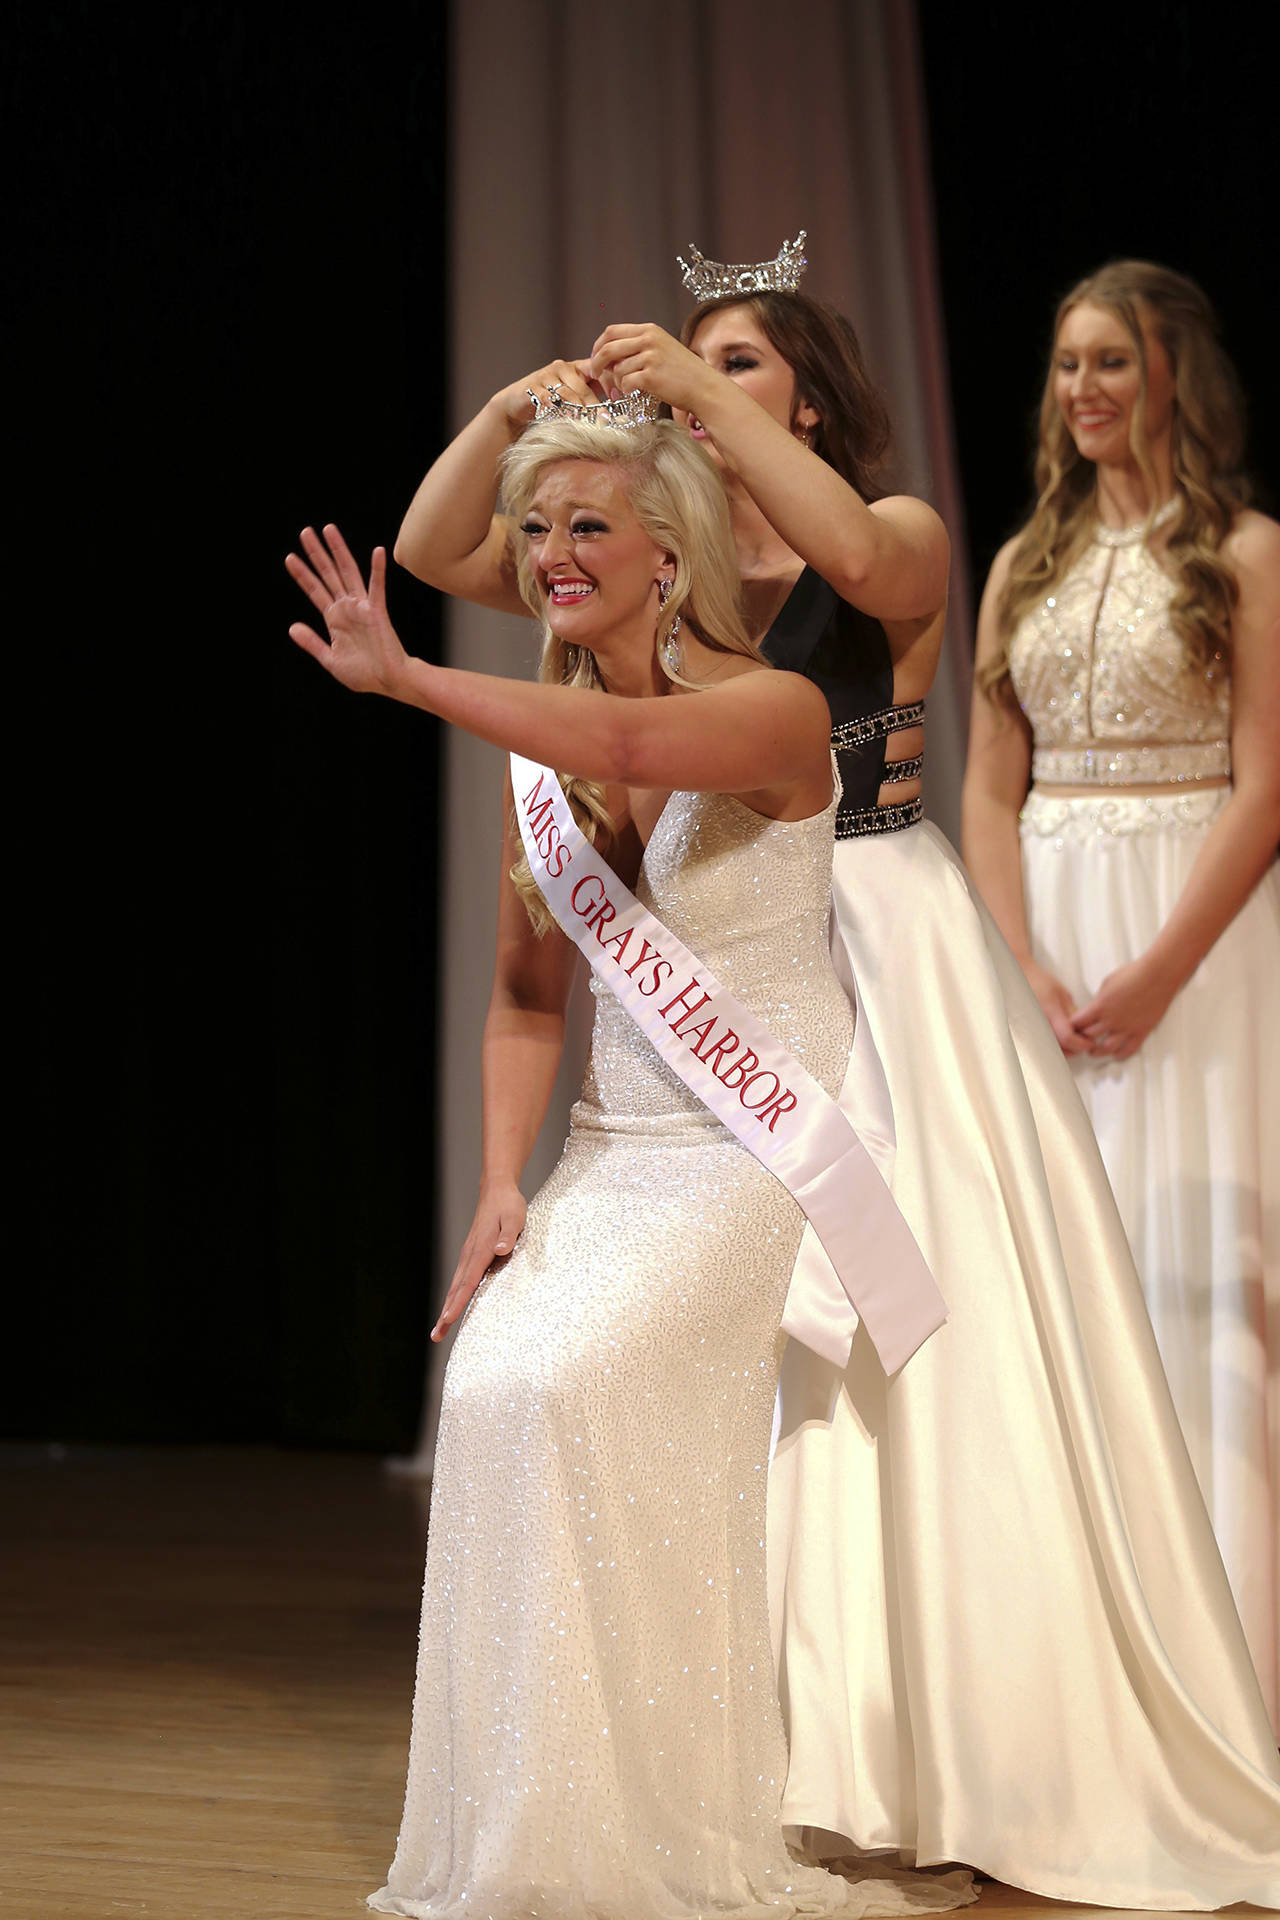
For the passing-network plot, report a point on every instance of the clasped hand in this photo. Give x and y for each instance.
(363, 649)
(1129, 1005)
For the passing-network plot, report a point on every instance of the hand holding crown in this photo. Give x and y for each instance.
(567, 379)
(631, 356)
(363, 649)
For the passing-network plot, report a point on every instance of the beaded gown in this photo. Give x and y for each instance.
(1190, 1126)
(1004, 1634)
(596, 1728)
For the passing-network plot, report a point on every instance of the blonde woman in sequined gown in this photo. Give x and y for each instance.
(1129, 668)
(596, 1728)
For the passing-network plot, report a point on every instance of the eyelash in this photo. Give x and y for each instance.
(738, 362)
(533, 531)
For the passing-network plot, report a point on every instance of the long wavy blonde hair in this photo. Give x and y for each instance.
(679, 500)
(1206, 445)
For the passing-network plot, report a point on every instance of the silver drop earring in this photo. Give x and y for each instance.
(670, 652)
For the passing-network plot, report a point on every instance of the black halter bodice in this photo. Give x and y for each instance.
(846, 654)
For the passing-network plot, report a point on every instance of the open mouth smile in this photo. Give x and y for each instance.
(567, 593)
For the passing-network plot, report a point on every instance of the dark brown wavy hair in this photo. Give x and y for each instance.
(822, 350)
(1207, 448)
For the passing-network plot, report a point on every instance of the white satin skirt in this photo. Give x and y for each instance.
(1190, 1132)
(1003, 1630)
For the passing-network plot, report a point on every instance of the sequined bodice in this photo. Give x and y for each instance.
(750, 897)
(1107, 684)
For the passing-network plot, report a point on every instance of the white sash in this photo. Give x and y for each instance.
(868, 1265)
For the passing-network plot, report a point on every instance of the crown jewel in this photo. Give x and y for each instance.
(710, 279)
(636, 409)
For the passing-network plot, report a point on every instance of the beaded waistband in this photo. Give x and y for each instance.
(853, 822)
(878, 726)
(1105, 765)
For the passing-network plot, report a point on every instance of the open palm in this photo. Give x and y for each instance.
(363, 649)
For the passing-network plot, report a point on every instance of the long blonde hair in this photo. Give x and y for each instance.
(1206, 447)
(679, 500)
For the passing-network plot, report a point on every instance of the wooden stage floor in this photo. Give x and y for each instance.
(206, 1661)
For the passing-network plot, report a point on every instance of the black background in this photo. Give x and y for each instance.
(229, 318)
(1062, 138)
(229, 322)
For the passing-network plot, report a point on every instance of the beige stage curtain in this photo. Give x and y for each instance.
(587, 149)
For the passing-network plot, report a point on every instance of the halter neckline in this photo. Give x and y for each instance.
(1130, 536)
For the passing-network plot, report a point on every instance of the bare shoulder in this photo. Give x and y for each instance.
(757, 680)
(999, 572)
(1253, 547)
(758, 688)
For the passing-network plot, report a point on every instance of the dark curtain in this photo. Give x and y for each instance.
(1061, 142)
(228, 320)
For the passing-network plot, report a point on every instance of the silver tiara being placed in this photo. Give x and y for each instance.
(711, 279)
(636, 409)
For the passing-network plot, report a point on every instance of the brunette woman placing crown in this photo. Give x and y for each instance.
(596, 1728)
(1003, 1631)
(1129, 670)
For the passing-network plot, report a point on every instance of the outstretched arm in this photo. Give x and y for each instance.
(523, 1041)
(452, 536)
(890, 558)
(758, 732)
(1241, 844)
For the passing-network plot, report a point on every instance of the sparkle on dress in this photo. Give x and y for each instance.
(1109, 689)
(596, 1727)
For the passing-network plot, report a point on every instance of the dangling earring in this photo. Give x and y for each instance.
(670, 652)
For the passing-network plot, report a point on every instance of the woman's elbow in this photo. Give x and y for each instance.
(410, 556)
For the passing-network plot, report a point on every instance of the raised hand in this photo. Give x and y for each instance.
(363, 649)
(629, 356)
(1130, 1004)
(498, 1224)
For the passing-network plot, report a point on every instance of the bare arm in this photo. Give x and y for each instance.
(760, 733)
(453, 536)
(1241, 844)
(890, 558)
(523, 1040)
(997, 775)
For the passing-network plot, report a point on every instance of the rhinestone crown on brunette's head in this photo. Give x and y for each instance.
(712, 279)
